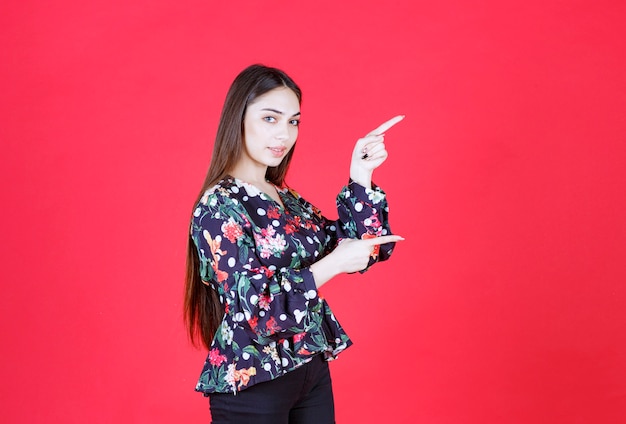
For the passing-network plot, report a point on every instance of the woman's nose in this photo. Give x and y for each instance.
(282, 132)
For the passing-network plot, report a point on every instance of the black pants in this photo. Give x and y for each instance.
(302, 396)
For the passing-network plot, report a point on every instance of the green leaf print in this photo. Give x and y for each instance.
(252, 351)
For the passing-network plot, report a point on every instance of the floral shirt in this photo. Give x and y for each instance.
(257, 254)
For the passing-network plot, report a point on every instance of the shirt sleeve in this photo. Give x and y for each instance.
(269, 302)
(363, 214)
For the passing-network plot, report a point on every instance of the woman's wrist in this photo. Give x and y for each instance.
(324, 270)
(361, 176)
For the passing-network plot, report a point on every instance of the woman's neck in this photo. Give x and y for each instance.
(249, 174)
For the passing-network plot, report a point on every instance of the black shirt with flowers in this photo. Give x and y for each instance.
(257, 254)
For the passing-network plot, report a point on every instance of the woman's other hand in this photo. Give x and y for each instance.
(350, 255)
(370, 152)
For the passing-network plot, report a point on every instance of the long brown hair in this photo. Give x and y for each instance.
(203, 310)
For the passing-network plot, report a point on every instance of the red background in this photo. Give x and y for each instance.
(506, 303)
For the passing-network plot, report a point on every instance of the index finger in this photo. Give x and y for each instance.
(384, 127)
(383, 239)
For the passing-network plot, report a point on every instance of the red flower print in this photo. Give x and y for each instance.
(271, 325)
(268, 232)
(265, 300)
(253, 322)
(298, 337)
(232, 231)
(292, 225)
(221, 275)
(215, 358)
(269, 245)
(268, 272)
(272, 212)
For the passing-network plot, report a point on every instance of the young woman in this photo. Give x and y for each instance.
(258, 252)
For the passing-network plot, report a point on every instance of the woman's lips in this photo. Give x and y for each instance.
(278, 151)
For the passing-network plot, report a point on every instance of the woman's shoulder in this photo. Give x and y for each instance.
(224, 190)
(223, 186)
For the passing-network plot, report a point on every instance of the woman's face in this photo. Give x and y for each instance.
(270, 128)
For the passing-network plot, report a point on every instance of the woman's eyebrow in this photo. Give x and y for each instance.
(279, 112)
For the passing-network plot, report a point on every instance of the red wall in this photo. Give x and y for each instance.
(506, 303)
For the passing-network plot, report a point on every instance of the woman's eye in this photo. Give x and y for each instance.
(270, 119)
(294, 122)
